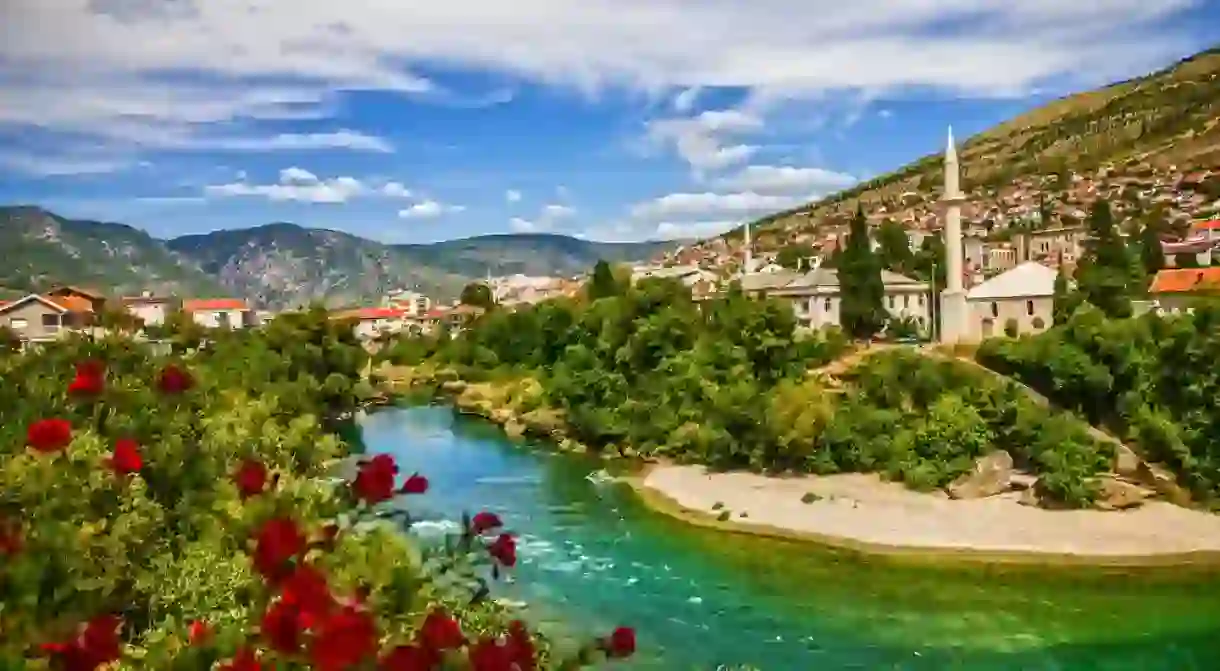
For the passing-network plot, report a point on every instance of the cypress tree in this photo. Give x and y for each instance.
(1105, 273)
(862, 294)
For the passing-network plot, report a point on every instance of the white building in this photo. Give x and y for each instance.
(152, 310)
(413, 303)
(219, 312)
(816, 296)
(368, 323)
(1022, 297)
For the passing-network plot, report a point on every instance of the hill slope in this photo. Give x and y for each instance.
(1147, 131)
(276, 265)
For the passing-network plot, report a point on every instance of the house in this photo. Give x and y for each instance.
(1206, 229)
(1175, 290)
(1199, 246)
(151, 310)
(370, 323)
(455, 317)
(65, 294)
(219, 312)
(41, 318)
(413, 303)
(815, 296)
(1023, 296)
(1063, 242)
(688, 275)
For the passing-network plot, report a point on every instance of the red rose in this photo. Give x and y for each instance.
(485, 521)
(416, 484)
(11, 539)
(307, 590)
(374, 481)
(344, 639)
(440, 632)
(278, 541)
(199, 632)
(126, 458)
(407, 658)
(90, 379)
(282, 628)
(49, 435)
(97, 644)
(621, 643)
(489, 655)
(174, 380)
(504, 550)
(251, 478)
(91, 368)
(521, 646)
(244, 660)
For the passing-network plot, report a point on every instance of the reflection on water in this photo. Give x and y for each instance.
(592, 555)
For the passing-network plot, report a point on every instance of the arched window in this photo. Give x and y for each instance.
(1029, 308)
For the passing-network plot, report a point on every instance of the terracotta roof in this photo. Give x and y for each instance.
(53, 304)
(74, 303)
(1212, 225)
(145, 299)
(90, 293)
(436, 313)
(206, 304)
(1178, 280)
(370, 313)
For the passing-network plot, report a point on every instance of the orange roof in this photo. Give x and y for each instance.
(1212, 225)
(86, 292)
(370, 313)
(206, 304)
(73, 303)
(1177, 280)
(131, 300)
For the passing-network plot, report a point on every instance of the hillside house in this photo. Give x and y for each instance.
(77, 296)
(1175, 290)
(815, 295)
(150, 309)
(1023, 296)
(223, 313)
(369, 323)
(38, 318)
(412, 303)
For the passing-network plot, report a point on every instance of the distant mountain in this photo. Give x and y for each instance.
(280, 264)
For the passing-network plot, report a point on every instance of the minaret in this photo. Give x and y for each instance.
(953, 309)
(748, 267)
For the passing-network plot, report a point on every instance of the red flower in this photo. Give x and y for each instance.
(344, 640)
(307, 590)
(49, 435)
(621, 643)
(90, 379)
(174, 380)
(278, 541)
(97, 644)
(251, 478)
(416, 484)
(374, 481)
(521, 646)
(489, 655)
(282, 627)
(199, 632)
(440, 632)
(485, 521)
(407, 658)
(244, 660)
(504, 550)
(11, 539)
(126, 458)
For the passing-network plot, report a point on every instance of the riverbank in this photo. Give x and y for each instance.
(864, 514)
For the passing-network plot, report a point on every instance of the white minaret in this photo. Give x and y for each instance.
(749, 261)
(953, 309)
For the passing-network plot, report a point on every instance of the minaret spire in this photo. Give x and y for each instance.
(749, 260)
(953, 308)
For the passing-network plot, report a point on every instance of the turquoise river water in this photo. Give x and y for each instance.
(594, 557)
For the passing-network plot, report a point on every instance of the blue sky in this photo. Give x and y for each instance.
(407, 121)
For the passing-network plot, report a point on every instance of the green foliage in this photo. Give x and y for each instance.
(1151, 379)
(1152, 255)
(1066, 299)
(1107, 272)
(479, 295)
(603, 283)
(894, 248)
(794, 256)
(862, 311)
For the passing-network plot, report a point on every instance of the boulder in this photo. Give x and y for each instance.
(991, 475)
(453, 386)
(514, 429)
(1118, 494)
(501, 416)
(1126, 462)
(1030, 497)
(1162, 482)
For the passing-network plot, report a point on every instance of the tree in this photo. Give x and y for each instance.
(861, 311)
(894, 248)
(1045, 212)
(478, 294)
(794, 256)
(1152, 255)
(1107, 270)
(1066, 299)
(603, 283)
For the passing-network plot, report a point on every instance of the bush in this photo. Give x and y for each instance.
(181, 513)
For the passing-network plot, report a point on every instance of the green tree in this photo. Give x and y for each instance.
(894, 248)
(794, 256)
(1152, 255)
(477, 294)
(603, 283)
(862, 312)
(1066, 299)
(1106, 273)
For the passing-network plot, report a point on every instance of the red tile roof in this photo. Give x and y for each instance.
(370, 313)
(1212, 225)
(1178, 280)
(208, 304)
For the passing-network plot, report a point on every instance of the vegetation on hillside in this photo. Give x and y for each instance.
(179, 511)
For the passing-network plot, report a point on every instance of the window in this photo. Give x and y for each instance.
(893, 302)
(50, 322)
(1029, 308)
(906, 301)
(995, 309)
(826, 305)
(921, 300)
(19, 324)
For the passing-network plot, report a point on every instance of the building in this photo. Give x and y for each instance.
(369, 323)
(1063, 244)
(816, 296)
(954, 310)
(412, 303)
(1175, 290)
(149, 309)
(219, 312)
(1022, 298)
(76, 297)
(1209, 229)
(687, 275)
(40, 317)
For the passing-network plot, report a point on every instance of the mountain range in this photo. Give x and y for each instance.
(276, 265)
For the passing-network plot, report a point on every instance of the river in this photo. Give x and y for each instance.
(594, 557)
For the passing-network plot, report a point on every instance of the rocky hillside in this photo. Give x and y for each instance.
(1150, 132)
(276, 265)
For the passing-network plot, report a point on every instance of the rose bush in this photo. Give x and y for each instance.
(182, 513)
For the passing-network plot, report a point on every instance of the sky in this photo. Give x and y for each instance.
(619, 120)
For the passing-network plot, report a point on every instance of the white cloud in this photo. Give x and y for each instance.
(787, 180)
(395, 190)
(685, 100)
(704, 141)
(702, 204)
(548, 216)
(343, 139)
(295, 184)
(668, 230)
(554, 212)
(512, 196)
(62, 166)
(429, 209)
(885, 114)
(519, 225)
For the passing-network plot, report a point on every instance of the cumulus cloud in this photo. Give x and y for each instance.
(773, 179)
(705, 141)
(548, 216)
(295, 184)
(520, 225)
(512, 196)
(429, 209)
(668, 230)
(41, 165)
(707, 203)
